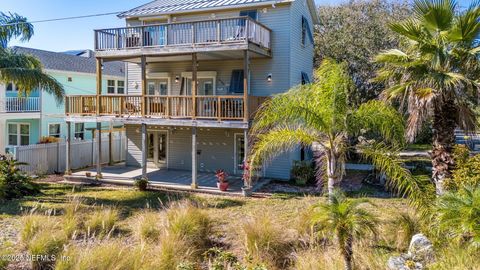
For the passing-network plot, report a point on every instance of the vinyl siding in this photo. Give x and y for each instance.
(134, 145)
(301, 56)
(216, 147)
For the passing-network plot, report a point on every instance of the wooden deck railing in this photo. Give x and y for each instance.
(217, 31)
(207, 107)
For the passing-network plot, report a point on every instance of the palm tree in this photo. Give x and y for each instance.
(25, 71)
(346, 221)
(435, 76)
(318, 114)
(458, 214)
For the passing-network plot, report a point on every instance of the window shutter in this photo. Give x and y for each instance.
(305, 78)
(236, 81)
(307, 26)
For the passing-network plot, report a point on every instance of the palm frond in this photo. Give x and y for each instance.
(379, 118)
(436, 15)
(386, 160)
(280, 140)
(14, 26)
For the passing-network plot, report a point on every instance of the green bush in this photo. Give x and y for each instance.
(14, 183)
(467, 171)
(303, 172)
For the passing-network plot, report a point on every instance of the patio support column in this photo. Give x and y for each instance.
(68, 169)
(3, 128)
(144, 150)
(194, 85)
(99, 150)
(194, 158)
(144, 85)
(99, 84)
(246, 84)
(110, 145)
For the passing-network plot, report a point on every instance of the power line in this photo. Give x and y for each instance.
(64, 18)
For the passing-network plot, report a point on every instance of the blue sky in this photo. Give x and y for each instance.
(75, 34)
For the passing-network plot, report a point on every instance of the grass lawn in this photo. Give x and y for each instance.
(228, 215)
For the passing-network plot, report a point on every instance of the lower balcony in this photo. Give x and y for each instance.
(221, 108)
(19, 104)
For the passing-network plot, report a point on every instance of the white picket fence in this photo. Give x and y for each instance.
(51, 158)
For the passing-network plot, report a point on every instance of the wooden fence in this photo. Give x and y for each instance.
(51, 158)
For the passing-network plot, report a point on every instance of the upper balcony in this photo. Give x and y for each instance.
(238, 33)
(19, 104)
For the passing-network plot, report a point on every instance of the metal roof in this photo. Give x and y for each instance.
(159, 7)
(73, 63)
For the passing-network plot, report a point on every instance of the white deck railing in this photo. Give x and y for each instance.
(19, 104)
(216, 31)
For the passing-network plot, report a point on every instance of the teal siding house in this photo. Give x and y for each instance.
(25, 120)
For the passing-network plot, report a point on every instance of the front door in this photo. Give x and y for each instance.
(158, 148)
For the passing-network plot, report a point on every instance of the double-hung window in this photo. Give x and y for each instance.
(18, 134)
(115, 87)
(79, 131)
(54, 130)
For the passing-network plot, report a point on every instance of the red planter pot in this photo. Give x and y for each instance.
(223, 186)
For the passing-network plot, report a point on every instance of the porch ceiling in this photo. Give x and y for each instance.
(201, 56)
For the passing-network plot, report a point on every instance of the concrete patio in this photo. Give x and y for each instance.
(162, 178)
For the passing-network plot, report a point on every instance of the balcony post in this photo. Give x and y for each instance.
(99, 84)
(246, 84)
(144, 150)
(99, 150)
(194, 85)
(144, 85)
(194, 158)
(68, 169)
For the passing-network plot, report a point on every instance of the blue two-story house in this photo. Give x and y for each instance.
(26, 120)
(196, 73)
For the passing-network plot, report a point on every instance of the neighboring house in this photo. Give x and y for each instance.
(196, 73)
(25, 120)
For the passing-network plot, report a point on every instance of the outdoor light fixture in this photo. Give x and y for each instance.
(269, 77)
(177, 79)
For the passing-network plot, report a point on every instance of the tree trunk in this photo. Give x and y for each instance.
(444, 123)
(332, 175)
(347, 253)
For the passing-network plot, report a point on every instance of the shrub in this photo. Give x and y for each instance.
(264, 241)
(6, 250)
(13, 182)
(303, 172)
(146, 227)
(71, 220)
(402, 228)
(141, 183)
(48, 139)
(102, 222)
(219, 259)
(45, 246)
(467, 171)
(188, 222)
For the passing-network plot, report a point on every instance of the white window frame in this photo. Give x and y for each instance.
(160, 76)
(59, 134)
(236, 170)
(14, 88)
(115, 87)
(75, 131)
(19, 133)
(124, 87)
(203, 75)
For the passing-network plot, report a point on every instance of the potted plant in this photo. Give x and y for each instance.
(141, 183)
(222, 182)
(247, 180)
(88, 174)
